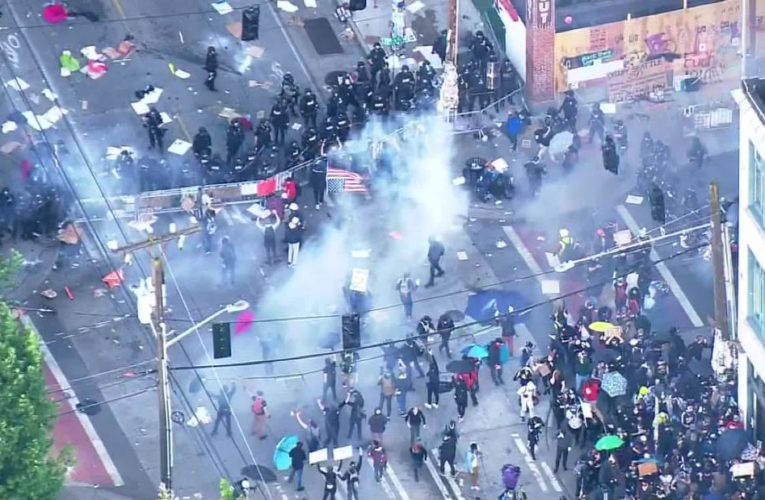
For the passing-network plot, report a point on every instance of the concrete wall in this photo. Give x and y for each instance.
(647, 53)
(751, 239)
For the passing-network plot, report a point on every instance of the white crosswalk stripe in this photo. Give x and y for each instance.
(383, 482)
(452, 483)
(532, 466)
(396, 483)
(437, 478)
(551, 476)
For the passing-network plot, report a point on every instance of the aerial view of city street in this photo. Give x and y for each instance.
(404, 250)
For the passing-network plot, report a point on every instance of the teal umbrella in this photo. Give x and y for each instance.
(609, 443)
(282, 460)
(475, 351)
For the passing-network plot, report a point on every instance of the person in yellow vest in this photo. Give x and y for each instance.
(564, 245)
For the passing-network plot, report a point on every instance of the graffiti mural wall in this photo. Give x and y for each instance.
(636, 57)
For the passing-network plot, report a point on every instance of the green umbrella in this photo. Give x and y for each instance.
(609, 443)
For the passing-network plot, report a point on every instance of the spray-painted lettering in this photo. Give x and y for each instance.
(10, 46)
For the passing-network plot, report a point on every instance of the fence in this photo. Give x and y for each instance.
(171, 200)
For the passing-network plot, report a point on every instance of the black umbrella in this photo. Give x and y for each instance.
(455, 315)
(701, 367)
(460, 366)
(259, 473)
(731, 443)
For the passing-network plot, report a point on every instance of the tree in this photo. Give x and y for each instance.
(28, 466)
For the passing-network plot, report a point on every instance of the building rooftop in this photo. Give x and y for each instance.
(754, 89)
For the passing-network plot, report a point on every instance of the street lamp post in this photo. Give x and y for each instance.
(163, 344)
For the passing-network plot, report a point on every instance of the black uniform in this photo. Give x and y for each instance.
(309, 108)
(153, 123)
(280, 122)
(211, 65)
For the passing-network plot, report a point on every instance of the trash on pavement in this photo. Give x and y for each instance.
(182, 74)
(90, 53)
(255, 51)
(17, 84)
(114, 278)
(222, 8)
(114, 152)
(286, 6)
(634, 200)
(140, 108)
(459, 181)
(48, 93)
(95, 69)
(49, 294)
(462, 256)
(501, 244)
(9, 126)
(179, 147)
(54, 13)
(311, 4)
(550, 287)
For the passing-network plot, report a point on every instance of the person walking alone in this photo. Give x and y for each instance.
(319, 181)
(224, 409)
(211, 66)
(405, 287)
(294, 238)
(436, 250)
(228, 260)
(387, 390)
(379, 459)
(460, 396)
(259, 415)
(377, 423)
(445, 328)
(269, 235)
(415, 420)
(473, 465)
(447, 452)
(153, 123)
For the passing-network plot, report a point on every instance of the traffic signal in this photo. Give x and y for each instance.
(250, 23)
(658, 211)
(221, 340)
(351, 331)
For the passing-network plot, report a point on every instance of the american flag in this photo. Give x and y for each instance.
(339, 181)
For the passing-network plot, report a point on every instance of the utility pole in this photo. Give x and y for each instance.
(719, 246)
(160, 332)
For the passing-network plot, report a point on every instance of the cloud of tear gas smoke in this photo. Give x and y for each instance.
(419, 201)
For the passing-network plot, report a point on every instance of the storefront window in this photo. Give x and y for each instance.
(756, 297)
(756, 185)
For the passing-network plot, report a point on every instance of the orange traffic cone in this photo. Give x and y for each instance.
(113, 279)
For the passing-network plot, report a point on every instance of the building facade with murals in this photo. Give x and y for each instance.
(625, 49)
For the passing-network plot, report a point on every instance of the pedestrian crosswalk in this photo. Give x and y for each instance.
(542, 473)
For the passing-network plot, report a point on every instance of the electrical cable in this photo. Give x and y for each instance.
(222, 387)
(627, 250)
(113, 383)
(156, 17)
(83, 408)
(78, 200)
(516, 312)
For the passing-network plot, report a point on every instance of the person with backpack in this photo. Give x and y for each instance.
(330, 480)
(510, 475)
(405, 287)
(259, 415)
(298, 458)
(351, 477)
(355, 401)
(377, 424)
(387, 390)
(379, 459)
(269, 235)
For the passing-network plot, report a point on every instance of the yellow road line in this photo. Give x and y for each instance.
(119, 8)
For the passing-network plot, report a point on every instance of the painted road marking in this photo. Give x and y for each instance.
(87, 426)
(436, 475)
(227, 216)
(384, 482)
(524, 252)
(396, 483)
(530, 463)
(664, 271)
(449, 479)
(551, 477)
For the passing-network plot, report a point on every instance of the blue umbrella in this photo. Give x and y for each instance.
(486, 305)
(504, 354)
(475, 351)
(282, 460)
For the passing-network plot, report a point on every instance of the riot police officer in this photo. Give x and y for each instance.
(309, 108)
